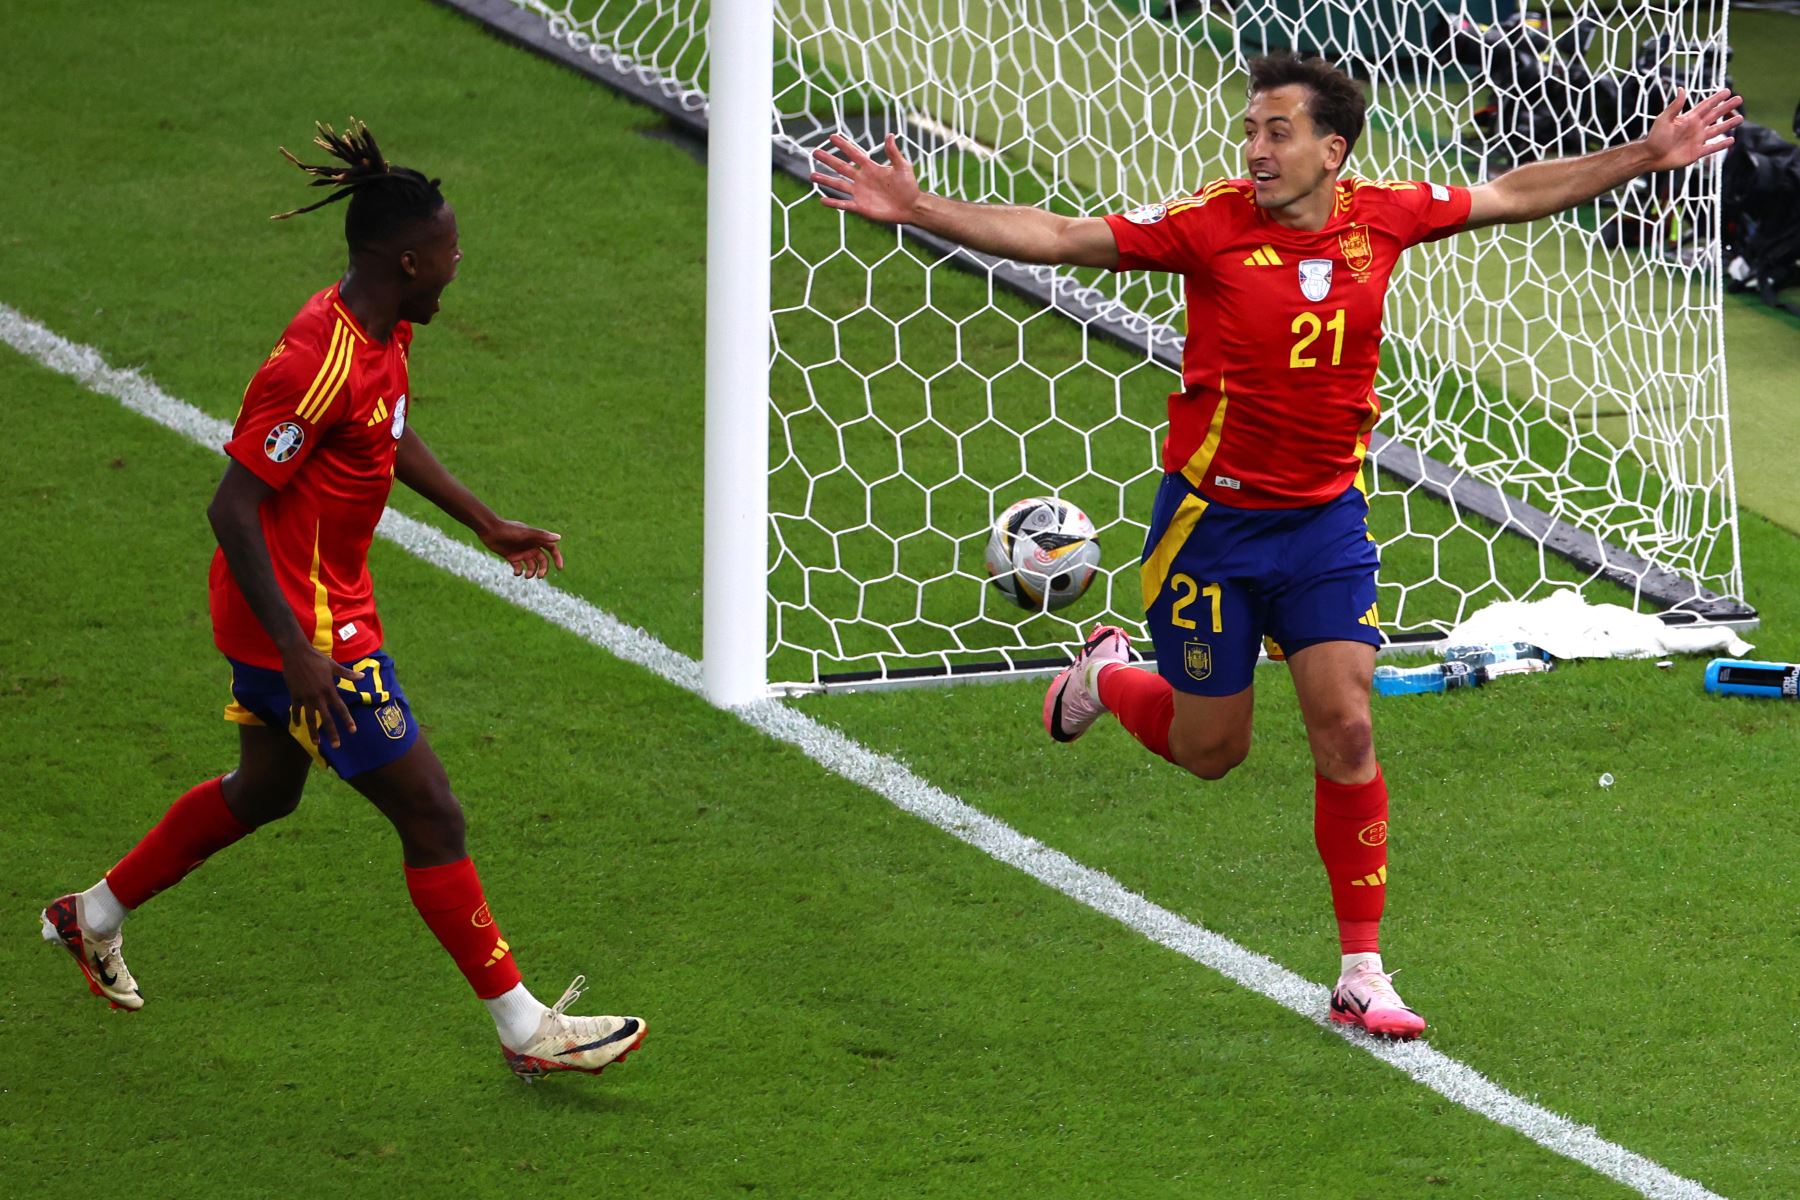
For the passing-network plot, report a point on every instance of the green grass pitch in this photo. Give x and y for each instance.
(843, 1001)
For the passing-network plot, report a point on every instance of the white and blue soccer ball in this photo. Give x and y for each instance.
(1043, 553)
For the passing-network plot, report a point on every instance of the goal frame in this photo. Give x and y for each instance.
(734, 123)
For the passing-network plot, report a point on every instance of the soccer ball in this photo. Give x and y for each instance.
(1043, 554)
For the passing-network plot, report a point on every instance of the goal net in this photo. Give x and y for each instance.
(1554, 394)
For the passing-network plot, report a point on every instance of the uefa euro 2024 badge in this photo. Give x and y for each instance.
(399, 416)
(283, 441)
(1147, 214)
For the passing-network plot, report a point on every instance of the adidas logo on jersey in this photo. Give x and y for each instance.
(1265, 257)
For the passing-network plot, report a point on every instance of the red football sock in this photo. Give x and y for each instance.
(1350, 829)
(196, 827)
(1143, 702)
(449, 898)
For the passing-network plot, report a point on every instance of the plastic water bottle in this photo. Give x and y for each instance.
(1448, 676)
(1486, 655)
(1741, 677)
(1434, 677)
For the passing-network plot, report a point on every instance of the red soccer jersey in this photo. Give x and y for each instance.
(1284, 331)
(320, 423)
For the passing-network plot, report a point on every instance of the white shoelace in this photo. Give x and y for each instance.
(571, 994)
(1380, 986)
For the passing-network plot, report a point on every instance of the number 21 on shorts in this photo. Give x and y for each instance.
(1187, 592)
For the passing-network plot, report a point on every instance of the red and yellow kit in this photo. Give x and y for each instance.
(1284, 331)
(320, 423)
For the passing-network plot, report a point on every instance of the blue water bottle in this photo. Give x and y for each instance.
(1435, 677)
(1478, 654)
(1742, 677)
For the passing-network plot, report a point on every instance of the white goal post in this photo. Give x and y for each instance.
(1554, 394)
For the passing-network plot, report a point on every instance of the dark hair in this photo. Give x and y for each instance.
(1336, 101)
(384, 198)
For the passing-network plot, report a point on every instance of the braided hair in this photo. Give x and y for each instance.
(384, 198)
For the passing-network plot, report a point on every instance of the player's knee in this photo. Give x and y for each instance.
(1217, 764)
(447, 820)
(281, 804)
(1211, 758)
(434, 807)
(431, 829)
(420, 799)
(1347, 743)
(256, 800)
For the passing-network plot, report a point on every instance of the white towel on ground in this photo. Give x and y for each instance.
(1569, 627)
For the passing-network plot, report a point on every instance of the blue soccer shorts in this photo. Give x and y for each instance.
(1219, 580)
(385, 728)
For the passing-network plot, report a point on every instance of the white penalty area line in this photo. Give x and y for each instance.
(894, 782)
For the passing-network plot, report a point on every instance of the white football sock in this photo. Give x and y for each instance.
(1352, 961)
(516, 1015)
(99, 912)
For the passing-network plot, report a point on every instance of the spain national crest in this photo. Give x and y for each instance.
(1196, 658)
(393, 720)
(1359, 254)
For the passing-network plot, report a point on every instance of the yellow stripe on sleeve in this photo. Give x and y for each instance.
(340, 373)
(325, 369)
(350, 321)
(1155, 571)
(318, 398)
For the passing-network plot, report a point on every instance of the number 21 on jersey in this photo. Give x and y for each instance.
(1307, 327)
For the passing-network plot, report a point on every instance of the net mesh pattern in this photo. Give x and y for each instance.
(1575, 364)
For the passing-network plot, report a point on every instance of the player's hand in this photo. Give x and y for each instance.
(529, 550)
(317, 703)
(1678, 138)
(881, 192)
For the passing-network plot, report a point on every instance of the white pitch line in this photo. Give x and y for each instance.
(894, 782)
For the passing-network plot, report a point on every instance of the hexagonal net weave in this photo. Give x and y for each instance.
(1563, 380)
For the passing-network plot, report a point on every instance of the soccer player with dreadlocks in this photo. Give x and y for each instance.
(320, 437)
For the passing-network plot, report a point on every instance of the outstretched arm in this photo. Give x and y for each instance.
(530, 550)
(890, 193)
(1676, 139)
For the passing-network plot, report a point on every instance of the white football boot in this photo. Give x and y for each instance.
(565, 1043)
(99, 958)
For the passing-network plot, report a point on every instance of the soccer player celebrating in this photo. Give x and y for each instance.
(1260, 525)
(320, 437)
